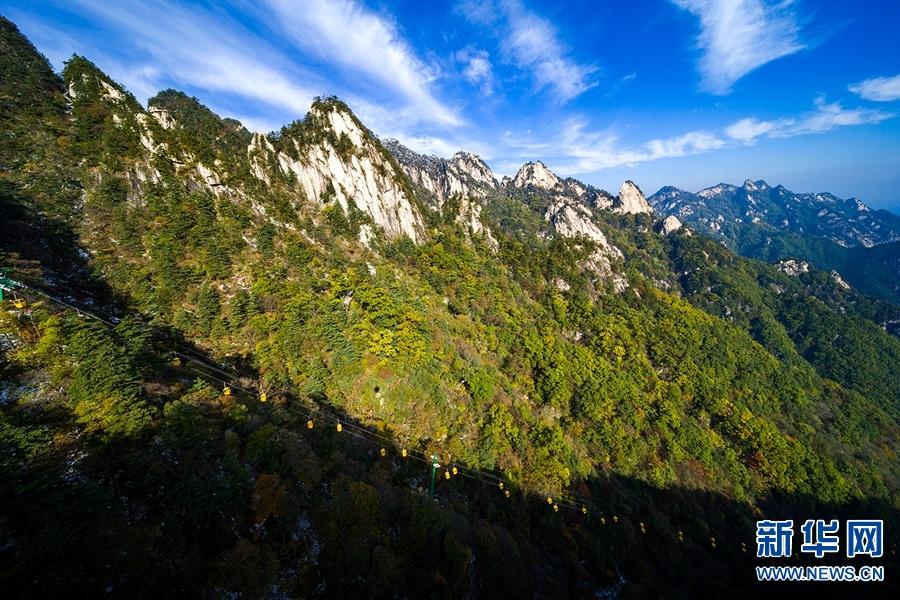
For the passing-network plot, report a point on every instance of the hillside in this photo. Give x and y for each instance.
(643, 397)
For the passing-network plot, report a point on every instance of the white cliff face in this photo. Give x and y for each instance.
(670, 225)
(259, 148)
(536, 175)
(840, 280)
(470, 217)
(472, 166)
(571, 219)
(631, 200)
(112, 93)
(465, 175)
(362, 176)
(162, 117)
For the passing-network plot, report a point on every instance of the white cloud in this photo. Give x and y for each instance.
(879, 89)
(531, 43)
(824, 117)
(198, 49)
(694, 142)
(364, 43)
(575, 150)
(747, 130)
(478, 70)
(738, 36)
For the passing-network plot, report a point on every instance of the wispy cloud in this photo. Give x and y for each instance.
(199, 49)
(364, 43)
(824, 117)
(531, 42)
(879, 89)
(575, 149)
(750, 129)
(478, 69)
(587, 153)
(210, 49)
(738, 36)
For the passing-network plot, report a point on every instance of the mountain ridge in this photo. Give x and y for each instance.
(845, 236)
(847, 222)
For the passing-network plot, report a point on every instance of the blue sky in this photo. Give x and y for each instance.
(664, 92)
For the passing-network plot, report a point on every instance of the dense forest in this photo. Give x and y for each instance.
(639, 433)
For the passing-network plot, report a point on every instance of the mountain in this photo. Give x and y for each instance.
(569, 207)
(849, 222)
(238, 364)
(465, 174)
(461, 180)
(773, 224)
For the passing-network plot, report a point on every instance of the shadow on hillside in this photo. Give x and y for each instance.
(636, 540)
(39, 248)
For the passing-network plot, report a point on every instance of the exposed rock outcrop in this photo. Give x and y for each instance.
(357, 175)
(470, 217)
(670, 224)
(572, 219)
(536, 175)
(631, 200)
(793, 267)
(839, 280)
(465, 174)
(363, 177)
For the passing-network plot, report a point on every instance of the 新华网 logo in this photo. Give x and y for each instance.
(774, 538)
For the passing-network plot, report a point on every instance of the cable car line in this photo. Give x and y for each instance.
(312, 413)
(574, 500)
(491, 479)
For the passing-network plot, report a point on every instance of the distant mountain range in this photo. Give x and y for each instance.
(772, 223)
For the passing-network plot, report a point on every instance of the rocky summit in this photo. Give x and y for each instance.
(631, 200)
(465, 174)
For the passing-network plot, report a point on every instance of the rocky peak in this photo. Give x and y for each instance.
(671, 224)
(860, 207)
(754, 186)
(342, 122)
(334, 158)
(474, 167)
(718, 190)
(537, 175)
(631, 200)
(465, 174)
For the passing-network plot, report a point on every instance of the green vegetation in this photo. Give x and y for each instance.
(873, 271)
(685, 418)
